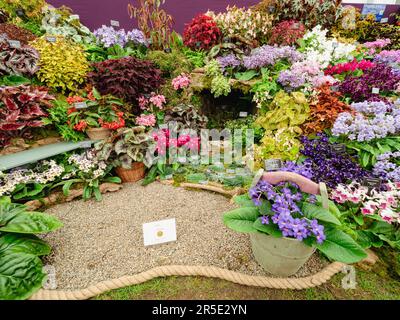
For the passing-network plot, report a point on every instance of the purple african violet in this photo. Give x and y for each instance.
(270, 55)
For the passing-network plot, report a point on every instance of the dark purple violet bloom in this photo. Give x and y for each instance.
(264, 220)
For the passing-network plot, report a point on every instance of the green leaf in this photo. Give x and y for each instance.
(243, 201)
(113, 179)
(312, 211)
(359, 220)
(67, 187)
(379, 227)
(271, 228)
(97, 194)
(247, 75)
(339, 246)
(265, 208)
(242, 219)
(21, 275)
(14, 243)
(32, 222)
(96, 94)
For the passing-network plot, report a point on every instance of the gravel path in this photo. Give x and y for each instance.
(103, 240)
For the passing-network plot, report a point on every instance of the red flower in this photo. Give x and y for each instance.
(71, 110)
(81, 125)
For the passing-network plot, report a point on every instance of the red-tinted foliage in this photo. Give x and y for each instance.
(202, 33)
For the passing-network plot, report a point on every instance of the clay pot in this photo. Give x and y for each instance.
(134, 174)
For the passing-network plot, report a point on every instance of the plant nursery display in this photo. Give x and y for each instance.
(291, 109)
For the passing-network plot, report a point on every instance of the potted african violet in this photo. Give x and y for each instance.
(288, 220)
(126, 150)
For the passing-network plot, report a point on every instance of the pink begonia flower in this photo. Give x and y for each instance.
(146, 120)
(158, 100)
(143, 103)
(181, 82)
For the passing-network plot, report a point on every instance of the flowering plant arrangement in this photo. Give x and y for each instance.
(109, 37)
(377, 44)
(387, 166)
(202, 33)
(349, 67)
(101, 111)
(181, 82)
(381, 77)
(220, 85)
(371, 215)
(287, 32)
(329, 165)
(283, 210)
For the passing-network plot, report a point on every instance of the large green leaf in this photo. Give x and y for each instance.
(21, 275)
(242, 219)
(31, 222)
(8, 211)
(14, 243)
(247, 75)
(243, 201)
(271, 228)
(311, 211)
(341, 247)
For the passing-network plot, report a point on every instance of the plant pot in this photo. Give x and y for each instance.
(98, 133)
(136, 173)
(279, 256)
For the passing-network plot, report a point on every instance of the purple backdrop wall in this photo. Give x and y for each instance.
(94, 13)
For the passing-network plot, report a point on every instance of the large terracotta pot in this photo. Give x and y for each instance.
(136, 173)
(98, 133)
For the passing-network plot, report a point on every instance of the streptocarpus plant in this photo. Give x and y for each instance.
(155, 23)
(22, 107)
(21, 61)
(126, 146)
(186, 116)
(127, 78)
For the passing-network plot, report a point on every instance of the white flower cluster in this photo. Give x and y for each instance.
(45, 172)
(88, 163)
(323, 50)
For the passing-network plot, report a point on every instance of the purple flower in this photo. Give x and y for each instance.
(270, 55)
(108, 37)
(264, 220)
(229, 61)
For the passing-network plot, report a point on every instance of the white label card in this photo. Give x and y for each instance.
(384, 20)
(114, 23)
(14, 43)
(243, 114)
(80, 105)
(375, 90)
(74, 17)
(51, 39)
(158, 232)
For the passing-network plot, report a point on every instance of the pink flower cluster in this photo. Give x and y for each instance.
(164, 141)
(383, 203)
(156, 100)
(181, 82)
(349, 67)
(147, 120)
(377, 44)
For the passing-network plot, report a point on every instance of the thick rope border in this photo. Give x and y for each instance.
(205, 271)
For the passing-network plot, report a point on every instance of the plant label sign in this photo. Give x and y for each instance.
(114, 23)
(74, 17)
(86, 144)
(20, 13)
(243, 114)
(51, 39)
(14, 44)
(273, 164)
(80, 105)
(158, 232)
(375, 90)
(384, 20)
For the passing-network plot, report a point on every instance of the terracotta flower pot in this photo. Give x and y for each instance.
(136, 173)
(98, 133)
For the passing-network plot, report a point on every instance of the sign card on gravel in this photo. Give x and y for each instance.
(158, 232)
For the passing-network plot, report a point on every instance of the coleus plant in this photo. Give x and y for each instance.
(127, 78)
(202, 33)
(22, 107)
(22, 61)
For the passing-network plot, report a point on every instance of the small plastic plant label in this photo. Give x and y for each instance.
(14, 43)
(203, 182)
(158, 232)
(80, 105)
(230, 171)
(51, 39)
(74, 17)
(86, 144)
(375, 90)
(272, 164)
(169, 177)
(243, 114)
(384, 20)
(114, 23)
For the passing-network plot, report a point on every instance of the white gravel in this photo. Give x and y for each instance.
(103, 240)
